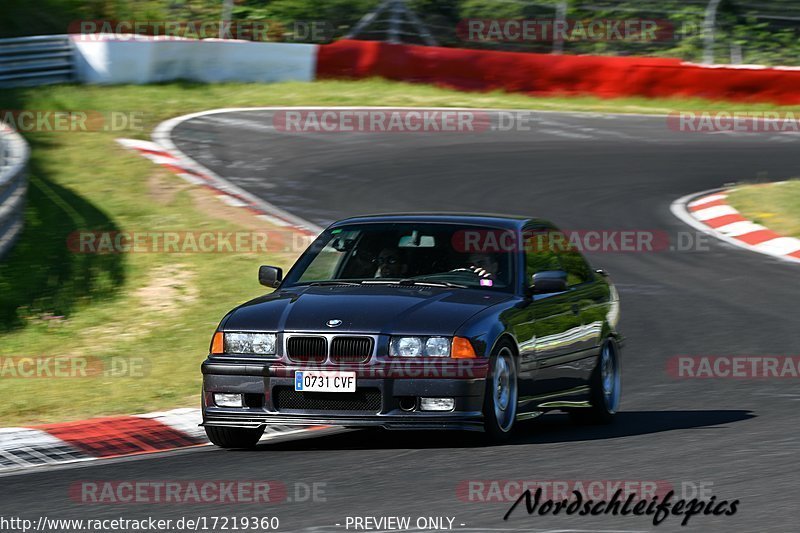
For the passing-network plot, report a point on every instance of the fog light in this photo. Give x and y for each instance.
(437, 404)
(228, 400)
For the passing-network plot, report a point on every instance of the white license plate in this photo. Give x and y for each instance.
(324, 381)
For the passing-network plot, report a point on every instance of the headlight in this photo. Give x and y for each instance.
(419, 347)
(250, 343)
(437, 347)
(406, 347)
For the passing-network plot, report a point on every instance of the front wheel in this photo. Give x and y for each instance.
(500, 400)
(234, 437)
(604, 388)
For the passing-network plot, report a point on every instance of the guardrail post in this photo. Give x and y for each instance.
(560, 20)
(709, 25)
(227, 9)
(13, 186)
(395, 20)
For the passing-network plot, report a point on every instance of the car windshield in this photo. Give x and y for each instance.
(407, 254)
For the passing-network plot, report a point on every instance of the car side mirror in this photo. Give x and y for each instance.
(270, 276)
(548, 282)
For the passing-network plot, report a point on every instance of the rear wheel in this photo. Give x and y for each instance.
(234, 437)
(500, 399)
(605, 388)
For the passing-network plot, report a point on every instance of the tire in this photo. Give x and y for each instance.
(234, 437)
(604, 388)
(500, 398)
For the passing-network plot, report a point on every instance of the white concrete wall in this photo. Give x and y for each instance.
(116, 61)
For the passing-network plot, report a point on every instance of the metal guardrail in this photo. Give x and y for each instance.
(13, 186)
(40, 60)
(709, 31)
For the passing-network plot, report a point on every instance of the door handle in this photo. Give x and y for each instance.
(575, 309)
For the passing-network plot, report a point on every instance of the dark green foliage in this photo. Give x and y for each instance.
(759, 32)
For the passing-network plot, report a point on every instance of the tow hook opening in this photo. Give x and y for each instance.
(408, 403)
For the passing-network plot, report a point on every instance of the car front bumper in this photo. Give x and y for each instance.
(264, 385)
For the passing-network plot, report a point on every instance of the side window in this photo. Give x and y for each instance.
(576, 267)
(540, 256)
(550, 249)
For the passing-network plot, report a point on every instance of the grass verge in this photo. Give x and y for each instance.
(774, 205)
(161, 307)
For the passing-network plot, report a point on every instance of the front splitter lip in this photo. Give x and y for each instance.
(419, 420)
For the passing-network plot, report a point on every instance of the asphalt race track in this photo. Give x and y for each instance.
(737, 438)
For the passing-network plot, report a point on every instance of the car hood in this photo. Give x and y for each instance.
(364, 309)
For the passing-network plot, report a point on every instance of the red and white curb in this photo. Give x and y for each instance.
(710, 213)
(117, 436)
(196, 174)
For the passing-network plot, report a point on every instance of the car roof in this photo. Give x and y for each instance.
(478, 219)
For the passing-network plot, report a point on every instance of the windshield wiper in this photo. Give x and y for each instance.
(414, 282)
(329, 283)
(434, 283)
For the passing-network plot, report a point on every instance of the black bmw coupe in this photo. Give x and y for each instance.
(419, 321)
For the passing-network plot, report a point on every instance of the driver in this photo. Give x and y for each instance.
(390, 264)
(484, 265)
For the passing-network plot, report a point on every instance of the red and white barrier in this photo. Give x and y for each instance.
(115, 60)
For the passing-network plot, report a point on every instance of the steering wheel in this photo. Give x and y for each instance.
(480, 272)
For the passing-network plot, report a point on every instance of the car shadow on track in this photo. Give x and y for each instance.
(558, 428)
(550, 428)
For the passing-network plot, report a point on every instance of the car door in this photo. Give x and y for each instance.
(560, 330)
(548, 325)
(590, 296)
